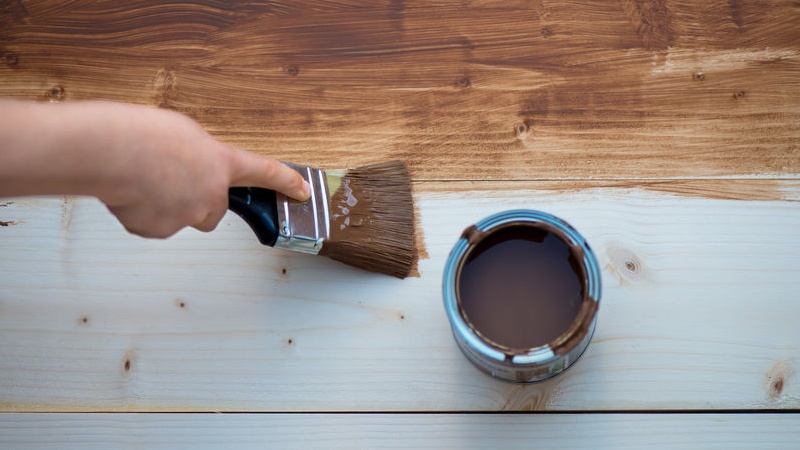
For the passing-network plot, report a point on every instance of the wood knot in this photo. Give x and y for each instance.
(55, 93)
(292, 70)
(127, 362)
(523, 130)
(463, 82)
(739, 95)
(777, 386)
(83, 321)
(10, 58)
(466, 43)
(164, 86)
(625, 264)
(698, 76)
(180, 303)
(777, 378)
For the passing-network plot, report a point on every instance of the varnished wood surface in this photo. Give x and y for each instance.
(667, 132)
(459, 90)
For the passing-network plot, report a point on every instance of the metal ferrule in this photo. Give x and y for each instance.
(303, 226)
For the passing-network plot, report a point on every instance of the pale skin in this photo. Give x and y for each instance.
(156, 170)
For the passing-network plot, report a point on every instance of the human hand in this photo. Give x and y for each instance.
(178, 175)
(158, 171)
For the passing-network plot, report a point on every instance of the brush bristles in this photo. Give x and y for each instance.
(372, 220)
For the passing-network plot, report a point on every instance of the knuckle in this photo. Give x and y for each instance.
(271, 167)
(197, 216)
(207, 226)
(146, 225)
(296, 183)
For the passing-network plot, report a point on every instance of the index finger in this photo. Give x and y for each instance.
(250, 169)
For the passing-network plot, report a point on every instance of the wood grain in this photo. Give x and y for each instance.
(459, 90)
(377, 431)
(696, 311)
(667, 132)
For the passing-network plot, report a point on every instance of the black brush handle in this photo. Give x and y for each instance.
(259, 208)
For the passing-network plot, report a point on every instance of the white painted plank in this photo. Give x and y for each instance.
(707, 319)
(378, 431)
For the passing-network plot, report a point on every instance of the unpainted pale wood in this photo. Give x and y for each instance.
(697, 312)
(377, 431)
(487, 90)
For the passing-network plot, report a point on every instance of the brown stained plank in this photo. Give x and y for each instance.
(491, 90)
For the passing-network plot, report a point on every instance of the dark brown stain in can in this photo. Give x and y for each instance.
(521, 287)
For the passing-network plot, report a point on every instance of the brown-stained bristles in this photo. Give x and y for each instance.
(372, 220)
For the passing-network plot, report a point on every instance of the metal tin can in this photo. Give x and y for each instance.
(520, 363)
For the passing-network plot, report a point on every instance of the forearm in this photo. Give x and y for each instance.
(65, 149)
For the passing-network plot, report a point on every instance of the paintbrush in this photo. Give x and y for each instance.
(363, 217)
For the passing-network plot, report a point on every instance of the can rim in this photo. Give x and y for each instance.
(536, 355)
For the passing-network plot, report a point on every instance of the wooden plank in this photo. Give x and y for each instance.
(488, 90)
(375, 431)
(699, 296)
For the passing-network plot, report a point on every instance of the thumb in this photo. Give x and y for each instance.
(250, 169)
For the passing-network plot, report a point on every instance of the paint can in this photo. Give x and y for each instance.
(521, 291)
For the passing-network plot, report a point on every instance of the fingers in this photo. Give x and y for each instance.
(140, 224)
(250, 169)
(210, 222)
(140, 219)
